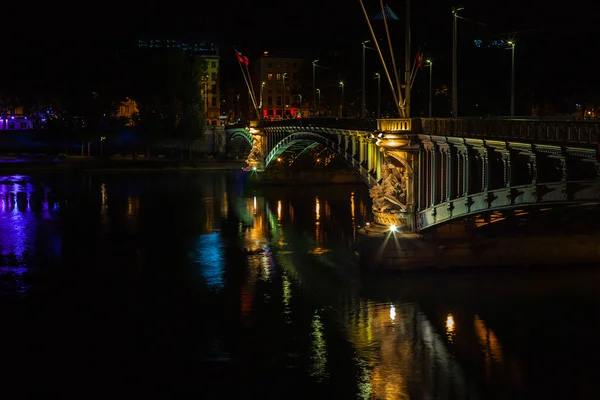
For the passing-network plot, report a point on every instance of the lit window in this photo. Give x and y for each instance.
(269, 77)
(278, 77)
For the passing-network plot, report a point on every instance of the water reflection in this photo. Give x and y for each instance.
(24, 212)
(276, 285)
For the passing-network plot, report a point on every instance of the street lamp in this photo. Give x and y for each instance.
(342, 102)
(262, 86)
(239, 113)
(314, 65)
(283, 95)
(318, 97)
(378, 77)
(455, 11)
(430, 63)
(512, 79)
(364, 68)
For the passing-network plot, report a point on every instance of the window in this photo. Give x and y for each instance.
(213, 89)
(213, 76)
(213, 64)
(269, 101)
(278, 77)
(278, 100)
(269, 77)
(269, 65)
(213, 101)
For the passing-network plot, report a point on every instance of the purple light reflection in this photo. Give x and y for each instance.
(23, 208)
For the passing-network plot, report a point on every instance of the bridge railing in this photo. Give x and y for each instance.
(522, 129)
(359, 124)
(530, 130)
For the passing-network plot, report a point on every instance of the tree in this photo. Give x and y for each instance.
(167, 90)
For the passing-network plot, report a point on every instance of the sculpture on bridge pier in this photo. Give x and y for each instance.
(256, 157)
(389, 196)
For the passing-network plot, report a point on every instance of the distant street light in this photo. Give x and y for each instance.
(262, 85)
(364, 71)
(239, 113)
(430, 63)
(342, 102)
(314, 65)
(378, 77)
(512, 79)
(318, 98)
(455, 11)
(283, 95)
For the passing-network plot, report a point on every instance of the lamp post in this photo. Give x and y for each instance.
(318, 98)
(512, 79)
(378, 77)
(364, 68)
(262, 86)
(455, 11)
(283, 95)
(238, 106)
(314, 65)
(342, 102)
(430, 87)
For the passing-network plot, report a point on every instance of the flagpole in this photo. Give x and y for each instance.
(385, 68)
(387, 31)
(248, 86)
(252, 88)
(407, 61)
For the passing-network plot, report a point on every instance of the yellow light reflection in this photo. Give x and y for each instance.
(254, 205)
(225, 209)
(318, 368)
(450, 327)
(317, 208)
(392, 312)
(279, 210)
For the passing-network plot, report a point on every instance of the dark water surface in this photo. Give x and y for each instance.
(193, 284)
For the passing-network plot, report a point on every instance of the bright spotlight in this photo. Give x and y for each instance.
(253, 168)
(393, 228)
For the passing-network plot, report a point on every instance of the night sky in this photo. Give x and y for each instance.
(557, 43)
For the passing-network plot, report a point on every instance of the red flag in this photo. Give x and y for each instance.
(240, 57)
(246, 61)
(419, 60)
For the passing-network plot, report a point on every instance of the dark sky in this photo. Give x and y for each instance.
(557, 41)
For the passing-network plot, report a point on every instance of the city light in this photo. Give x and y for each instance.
(393, 228)
(253, 168)
(278, 159)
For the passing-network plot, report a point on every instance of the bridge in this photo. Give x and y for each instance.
(426, 172)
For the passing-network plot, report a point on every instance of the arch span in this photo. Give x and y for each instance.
(516, 197)
(239, 132)
(311, 138)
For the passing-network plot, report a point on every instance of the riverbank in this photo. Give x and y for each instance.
(117, 165)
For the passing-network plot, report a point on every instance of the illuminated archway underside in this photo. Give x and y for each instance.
(298, 148)
(310, 139)
(243, 133)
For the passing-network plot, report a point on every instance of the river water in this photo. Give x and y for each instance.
(196, 283)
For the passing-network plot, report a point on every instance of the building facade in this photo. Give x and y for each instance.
(278, 91)
(211, 92)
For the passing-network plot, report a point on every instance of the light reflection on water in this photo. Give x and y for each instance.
(24, 207)
(285, 288)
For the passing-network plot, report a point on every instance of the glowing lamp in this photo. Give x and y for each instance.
(253, 168)
(393, 228)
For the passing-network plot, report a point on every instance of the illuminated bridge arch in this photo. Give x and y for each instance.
(239, 132)
(309, 140)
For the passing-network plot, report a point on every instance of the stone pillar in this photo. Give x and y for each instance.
(532, 167)
(434, 175)
(467, 172)
(506, 163)
(450, 174)
(421, 181)
(563, 169)
(361, 152)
